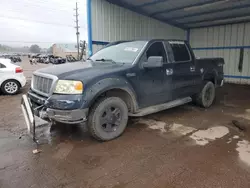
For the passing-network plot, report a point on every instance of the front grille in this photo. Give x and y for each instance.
(42, 84)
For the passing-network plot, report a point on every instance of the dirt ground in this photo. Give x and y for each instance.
(184, 147)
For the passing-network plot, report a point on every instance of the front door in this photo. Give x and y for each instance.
(150, 81)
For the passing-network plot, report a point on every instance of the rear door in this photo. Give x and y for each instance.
(184, 69)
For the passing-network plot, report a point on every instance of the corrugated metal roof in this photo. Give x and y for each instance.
(191, 13)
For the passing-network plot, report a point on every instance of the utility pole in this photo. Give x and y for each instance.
(77, 31)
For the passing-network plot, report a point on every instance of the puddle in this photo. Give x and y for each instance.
(175, 128)
(243, 147)
(153, 124)
(181, 129)
(203, 137)
(246, 115)
(47, 134)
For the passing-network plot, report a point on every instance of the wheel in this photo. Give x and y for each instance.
(108, 118)
(10, 87)
(207, 95)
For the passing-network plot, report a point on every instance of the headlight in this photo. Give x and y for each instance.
(69, 87)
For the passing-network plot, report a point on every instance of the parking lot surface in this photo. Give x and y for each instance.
(182, 147)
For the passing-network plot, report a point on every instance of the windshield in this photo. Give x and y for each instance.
(125, 52)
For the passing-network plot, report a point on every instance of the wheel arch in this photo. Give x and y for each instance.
(115, 87)
(9, 79)
(210, 76)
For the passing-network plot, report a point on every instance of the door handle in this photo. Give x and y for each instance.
(192, 68)
(169, 72)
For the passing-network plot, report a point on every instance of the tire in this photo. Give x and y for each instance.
(108, 118)
(10, 87)
(207, 95)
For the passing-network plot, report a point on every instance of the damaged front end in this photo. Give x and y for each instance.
(53, 109)
(41, 101)
(60, 108)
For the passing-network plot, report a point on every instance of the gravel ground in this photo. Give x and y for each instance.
(182, 147)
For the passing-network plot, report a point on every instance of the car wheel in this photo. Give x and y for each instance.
(108, 118)
(10, 87)
(207, 95)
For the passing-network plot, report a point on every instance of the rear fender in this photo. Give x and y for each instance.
(210, 75)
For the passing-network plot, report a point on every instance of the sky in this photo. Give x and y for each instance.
(42, 22)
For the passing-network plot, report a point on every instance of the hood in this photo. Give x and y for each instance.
(82, 70)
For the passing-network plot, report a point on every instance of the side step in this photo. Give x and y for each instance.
(160, 107)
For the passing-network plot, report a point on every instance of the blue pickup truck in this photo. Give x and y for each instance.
(125, 78)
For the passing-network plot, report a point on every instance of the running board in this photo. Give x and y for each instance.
(160, 107)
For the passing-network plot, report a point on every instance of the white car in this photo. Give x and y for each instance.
(11, 77)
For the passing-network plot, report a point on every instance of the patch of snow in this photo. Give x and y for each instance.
(229, 141)
(236, 137)
(153, 124)
(243, 147)
(203, 137)
(181, 129)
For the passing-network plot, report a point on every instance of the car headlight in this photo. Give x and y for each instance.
(69, 87)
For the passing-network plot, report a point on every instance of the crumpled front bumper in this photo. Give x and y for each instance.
(67, 116)
(42, 108)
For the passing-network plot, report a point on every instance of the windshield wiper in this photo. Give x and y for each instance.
(103, 60)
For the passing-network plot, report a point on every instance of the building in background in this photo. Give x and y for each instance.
(64, 50)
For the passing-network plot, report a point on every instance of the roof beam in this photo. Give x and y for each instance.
(186, 6)
(210, 11)
(140, 11)
(151, 3)
(215, 19)
(220, 24)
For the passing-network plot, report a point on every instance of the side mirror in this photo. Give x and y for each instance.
(154, 62)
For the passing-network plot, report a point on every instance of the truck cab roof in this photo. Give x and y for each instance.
(149, 40)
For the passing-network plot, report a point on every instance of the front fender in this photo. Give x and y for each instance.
(97, 89)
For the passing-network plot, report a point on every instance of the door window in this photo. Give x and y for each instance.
(156, 49)
(180, 51)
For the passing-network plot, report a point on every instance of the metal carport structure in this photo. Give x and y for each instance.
(215, 28)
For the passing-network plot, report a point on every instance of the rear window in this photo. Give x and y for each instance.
(180, 51)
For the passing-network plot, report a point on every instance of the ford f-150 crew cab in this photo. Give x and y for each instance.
(125, 78)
